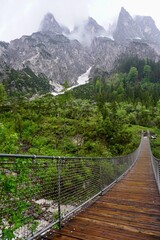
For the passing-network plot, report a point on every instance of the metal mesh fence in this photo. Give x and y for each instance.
(156, 170)
(38, 192)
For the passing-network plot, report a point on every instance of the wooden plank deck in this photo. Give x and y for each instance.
(129, 211)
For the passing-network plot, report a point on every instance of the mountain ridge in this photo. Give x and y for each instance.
(60, 55)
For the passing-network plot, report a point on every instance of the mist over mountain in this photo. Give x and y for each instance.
(87, 31)
(58, 55)
(50, 25)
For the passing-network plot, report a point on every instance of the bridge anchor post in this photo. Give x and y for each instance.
(59, 191)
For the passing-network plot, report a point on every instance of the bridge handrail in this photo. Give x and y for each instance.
(156, 170)
(40, 191)
(155, 163)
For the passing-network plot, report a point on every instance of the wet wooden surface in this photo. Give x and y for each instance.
(129, 211)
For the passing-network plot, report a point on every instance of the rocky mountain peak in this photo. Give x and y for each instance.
(127, 28)
(148, 26)
(94, 28)
(124, 14)
(49, 24)
(55, 54)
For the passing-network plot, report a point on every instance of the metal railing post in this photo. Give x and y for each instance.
(158, 180)
(59, 190)
(100, 177)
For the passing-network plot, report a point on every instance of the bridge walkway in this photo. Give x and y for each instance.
(128, 211)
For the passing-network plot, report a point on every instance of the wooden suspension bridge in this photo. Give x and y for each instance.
(130, 210)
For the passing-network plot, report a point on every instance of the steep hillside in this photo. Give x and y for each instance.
(60, 55)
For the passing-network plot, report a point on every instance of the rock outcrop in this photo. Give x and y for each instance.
(58, 55)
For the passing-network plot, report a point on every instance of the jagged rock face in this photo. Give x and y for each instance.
(149, 29)
(3, 47)
(58, 57)
(141, 28)
(50, 53)
(49, 24)
(86, 32)
(54, 55)
(141, 50)
(105, 52)
(127, 28)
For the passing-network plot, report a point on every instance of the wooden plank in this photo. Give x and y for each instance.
(129, 211)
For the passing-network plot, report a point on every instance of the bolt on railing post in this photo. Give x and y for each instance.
(59, 190)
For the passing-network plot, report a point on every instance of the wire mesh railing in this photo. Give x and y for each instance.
(156, 170)
(155, 165)
(39, 192)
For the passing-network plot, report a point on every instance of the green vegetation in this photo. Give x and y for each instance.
(56, 126)
(103, 118)
(135, 88)
(23, 82)
(95, 119)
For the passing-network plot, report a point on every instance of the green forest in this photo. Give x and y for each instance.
(102, 118)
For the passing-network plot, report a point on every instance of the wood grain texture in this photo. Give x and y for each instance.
(130, 210)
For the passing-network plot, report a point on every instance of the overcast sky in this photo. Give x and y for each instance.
(23, 17)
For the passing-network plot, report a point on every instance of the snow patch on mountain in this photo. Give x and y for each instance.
(83, 79)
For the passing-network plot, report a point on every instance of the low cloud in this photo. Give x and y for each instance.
(23, 17)
(19, 18)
